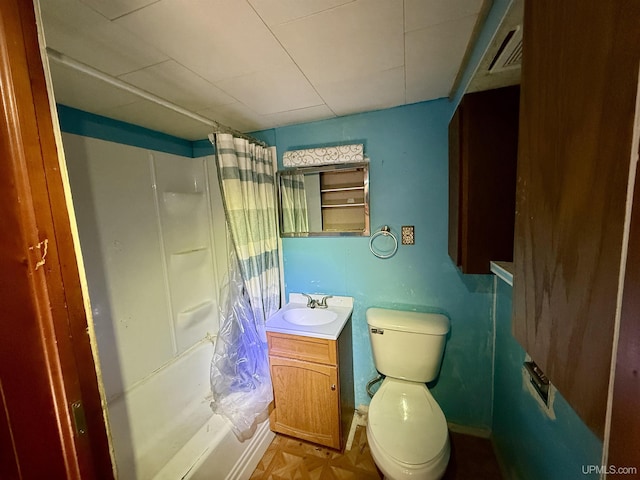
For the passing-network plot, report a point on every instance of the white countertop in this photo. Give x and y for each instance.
(342, 306)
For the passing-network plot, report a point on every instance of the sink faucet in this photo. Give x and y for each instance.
(323, 302)
(313, 303)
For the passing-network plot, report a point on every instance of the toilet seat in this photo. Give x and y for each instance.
(407, 423)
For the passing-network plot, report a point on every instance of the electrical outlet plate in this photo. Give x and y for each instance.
(408, 235)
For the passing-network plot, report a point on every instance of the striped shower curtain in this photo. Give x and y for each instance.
(240, 379)
(295, 218)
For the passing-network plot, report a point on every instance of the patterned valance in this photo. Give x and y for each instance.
(324, 156)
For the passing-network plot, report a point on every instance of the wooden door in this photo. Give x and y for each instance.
(46, 361)
(306, 400)
(578, 100)
(624, 444)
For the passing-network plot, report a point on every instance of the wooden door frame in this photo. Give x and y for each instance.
(46, 357)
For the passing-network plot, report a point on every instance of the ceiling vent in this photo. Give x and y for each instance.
(509, 55)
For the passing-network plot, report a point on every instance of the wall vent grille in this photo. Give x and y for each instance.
(509, 54)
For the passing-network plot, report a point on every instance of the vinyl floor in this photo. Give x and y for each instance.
(472, 458)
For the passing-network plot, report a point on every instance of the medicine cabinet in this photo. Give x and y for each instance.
(324, 201)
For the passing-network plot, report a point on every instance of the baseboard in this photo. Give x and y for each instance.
(466, 430)
(250, 458)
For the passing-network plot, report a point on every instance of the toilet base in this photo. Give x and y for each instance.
(395, 470)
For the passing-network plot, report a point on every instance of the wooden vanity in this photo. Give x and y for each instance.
(312, 386)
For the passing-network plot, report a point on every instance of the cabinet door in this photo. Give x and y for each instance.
(306, 400)
(578, 100)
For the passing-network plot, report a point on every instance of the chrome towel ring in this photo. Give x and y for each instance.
(385, 231)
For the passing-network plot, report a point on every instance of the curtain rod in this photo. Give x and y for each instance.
(116, 82)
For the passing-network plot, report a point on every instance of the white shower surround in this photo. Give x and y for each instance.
(196, 444)
(154, 326)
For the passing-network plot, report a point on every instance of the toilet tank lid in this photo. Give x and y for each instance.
(404, 321)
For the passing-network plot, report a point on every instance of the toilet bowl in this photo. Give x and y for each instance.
(407, 432)
(406, 428)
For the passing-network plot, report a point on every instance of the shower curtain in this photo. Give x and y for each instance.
(240, 380)
(294, 204)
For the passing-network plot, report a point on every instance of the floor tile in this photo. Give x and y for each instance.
(472, 458)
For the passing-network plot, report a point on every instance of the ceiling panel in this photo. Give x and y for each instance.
(117, 8)
(153, 116)
(302, 115)
(217, 39)
(346, 42)
(370, 92)
(77, 90)
(274, 12)
(175, 83)
(79, 32)
(425, 13)
(256, 64)
(433, 57)
(238, 116)
(274, 90)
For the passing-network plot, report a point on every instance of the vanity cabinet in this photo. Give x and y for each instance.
(579, 87)
(312, 387)
(483, 149)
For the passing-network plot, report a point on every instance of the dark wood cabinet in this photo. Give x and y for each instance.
(578, 107)
(483, 147)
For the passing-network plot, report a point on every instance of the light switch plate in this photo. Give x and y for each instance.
(408, 237)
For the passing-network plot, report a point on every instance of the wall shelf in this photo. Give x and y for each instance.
(342, 189)
(503, 270)
(343, 200)
(190, 251)
(342, 205)
(196, 315)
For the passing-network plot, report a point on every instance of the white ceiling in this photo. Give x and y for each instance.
(255, 64)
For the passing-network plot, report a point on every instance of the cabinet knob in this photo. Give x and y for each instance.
(333, 387)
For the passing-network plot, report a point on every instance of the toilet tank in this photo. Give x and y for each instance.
(407, 345)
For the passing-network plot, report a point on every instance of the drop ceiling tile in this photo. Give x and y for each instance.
(371, 92)
(425, 13)
(79, 32)
(273, 90)
(346, 42)
(216, 39)
(237, 116)
(434, 56)
(303, 115)
(173, 82)
(116, 8)
(80, 91)
(151, 115)
(274, 12)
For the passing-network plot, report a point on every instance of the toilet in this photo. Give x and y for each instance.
(406, 428)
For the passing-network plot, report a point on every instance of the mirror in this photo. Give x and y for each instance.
(324, 201)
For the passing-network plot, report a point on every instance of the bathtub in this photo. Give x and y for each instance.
(163, 428)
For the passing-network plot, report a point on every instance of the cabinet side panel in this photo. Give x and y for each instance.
(579, 81)
(345, 372)
(454, 186)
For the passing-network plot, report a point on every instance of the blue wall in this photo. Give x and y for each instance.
(408, 151)
(530, 445)
(96, 126)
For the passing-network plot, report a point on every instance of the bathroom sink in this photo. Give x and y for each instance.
(309, 316)
(295, 318)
